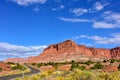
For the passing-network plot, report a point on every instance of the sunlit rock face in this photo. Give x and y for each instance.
(69, 50)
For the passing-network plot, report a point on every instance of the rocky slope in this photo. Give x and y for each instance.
(4, 66)
(69, 50)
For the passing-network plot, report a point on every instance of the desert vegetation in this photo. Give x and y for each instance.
(19, 67)
(11, 68)
(77, 71)
(86, 70)
(75, 74)
(81, 65)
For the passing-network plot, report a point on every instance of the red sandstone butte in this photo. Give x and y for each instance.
(69, 50)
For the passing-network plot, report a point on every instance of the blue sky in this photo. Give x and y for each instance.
(31, 25)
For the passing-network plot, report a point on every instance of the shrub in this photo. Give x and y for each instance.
(11, 63)
(59, 78)
(118, 60)
(43, 76)
(55, 65)
(75, 74)
(17, 79)
(73, 65)
(26, 77)
(82, 67)
(33, 64)
(112, 61)
(35, 77)
(105, 76)
(20, 67)
(98, 65)
(0, 69)
(119, 67)
(49, 72)
(79, 75)
(88, 62)
(39, 65)
(104, 61)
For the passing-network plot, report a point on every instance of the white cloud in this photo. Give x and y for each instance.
(36, 9)
(74, 19)
(110, 20)
(54, 9)
(9, 50)
(114, 39)
(103, 25)
(111, 16)
(98, 6)
(87, 44)
(62, 6)
(58, 8)
(78, 11)
(28, 2)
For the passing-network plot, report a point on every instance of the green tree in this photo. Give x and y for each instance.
(119, 67)
(82, 67)
(11, 63)
(73, 65)
(88, 62)
(112, 61)
(98, 65)
(18, 66)
(104, 61)
(55, 65)
(39, 65)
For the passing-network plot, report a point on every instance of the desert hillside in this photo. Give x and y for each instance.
(69, 50)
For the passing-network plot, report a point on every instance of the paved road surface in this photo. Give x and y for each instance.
(33, 71)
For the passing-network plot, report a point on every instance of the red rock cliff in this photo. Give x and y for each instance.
(69, 50)
(115, 53)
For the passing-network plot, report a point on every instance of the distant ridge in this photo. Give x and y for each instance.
(69, 50)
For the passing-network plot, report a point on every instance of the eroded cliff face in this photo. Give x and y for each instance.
(58, 52)
(69, 50)
(100, 52)
(67, 46)
(115, 53)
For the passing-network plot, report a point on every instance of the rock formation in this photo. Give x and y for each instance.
(69, 50)
(115, 53)
(4, 66)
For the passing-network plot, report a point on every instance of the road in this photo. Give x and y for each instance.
(33, 71)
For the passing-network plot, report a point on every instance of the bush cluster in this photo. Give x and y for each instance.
(0, 69)
(119, 67)
(75, 65)
(76, 74)
(18, 66)
(10, 63)
(98, 65)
